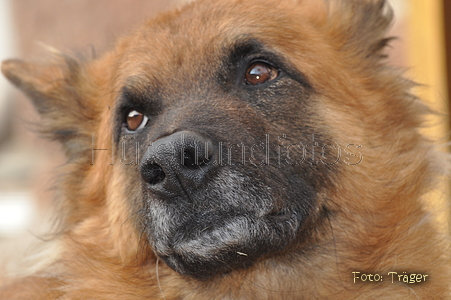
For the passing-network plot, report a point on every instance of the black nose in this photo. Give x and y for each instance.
(178, 163)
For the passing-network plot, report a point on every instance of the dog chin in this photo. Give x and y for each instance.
(223, 227)
(217, 243)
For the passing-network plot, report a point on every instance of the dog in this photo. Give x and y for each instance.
(239, 150)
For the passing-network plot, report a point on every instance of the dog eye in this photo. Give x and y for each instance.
(136, 120)
(260, 72)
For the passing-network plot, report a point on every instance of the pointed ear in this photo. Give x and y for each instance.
(360, 26)
(58, 90)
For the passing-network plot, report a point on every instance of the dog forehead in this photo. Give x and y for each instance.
(192, 41)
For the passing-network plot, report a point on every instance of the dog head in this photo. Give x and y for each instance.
(210, 136)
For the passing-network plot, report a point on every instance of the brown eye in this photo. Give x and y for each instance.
(136, 120)
(260, 72)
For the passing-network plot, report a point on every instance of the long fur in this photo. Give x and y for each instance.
(367, 215)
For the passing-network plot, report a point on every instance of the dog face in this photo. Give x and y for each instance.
(212, 120)
(220, 142)
(225, 137)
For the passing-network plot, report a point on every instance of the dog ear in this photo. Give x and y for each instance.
(58, 91)
(360, 26)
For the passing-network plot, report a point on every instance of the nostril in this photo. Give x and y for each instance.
(192, 158)
(153, 174)
(189, 158)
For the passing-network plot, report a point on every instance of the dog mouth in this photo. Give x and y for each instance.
(215, 243)
(207, 219)
(228, 225)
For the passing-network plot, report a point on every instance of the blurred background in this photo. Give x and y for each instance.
(27, 163)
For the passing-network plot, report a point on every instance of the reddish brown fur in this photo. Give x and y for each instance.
(377, 223)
